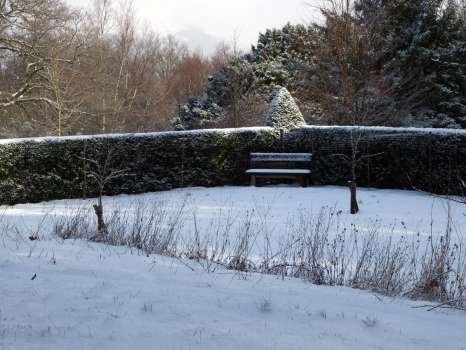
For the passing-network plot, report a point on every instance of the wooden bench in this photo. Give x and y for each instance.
(280, 165)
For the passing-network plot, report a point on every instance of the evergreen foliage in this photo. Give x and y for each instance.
(278, 60)
(196, 113)
(33, 170)
(231, 82)
(423, 58)
(403, 64)
(281, 55)
(284, 113)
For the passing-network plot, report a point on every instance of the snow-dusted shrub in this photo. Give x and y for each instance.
(77, 225)
(153, 228)
(284, 113)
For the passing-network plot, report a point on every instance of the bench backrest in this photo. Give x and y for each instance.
(281, 157)
(281, 160)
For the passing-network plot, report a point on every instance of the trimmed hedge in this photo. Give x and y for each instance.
(39, 169)
(432, 160)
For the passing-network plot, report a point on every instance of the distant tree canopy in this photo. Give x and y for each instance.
(372, 62)
(66, 71)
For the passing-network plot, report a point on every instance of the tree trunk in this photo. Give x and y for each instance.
(282, 140)
(354, 201)
(99, 212)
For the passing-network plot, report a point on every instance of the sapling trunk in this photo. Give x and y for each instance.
(354, 202)
(354, 207)
(99, 212)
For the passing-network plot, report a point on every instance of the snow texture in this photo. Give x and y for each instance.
(90, 296)
(292, 157)
(278, 171)
(396, 212)
(394, 130)
(184, 133)
(284, 112)
(86, 296)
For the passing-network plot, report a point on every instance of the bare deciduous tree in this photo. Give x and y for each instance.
(29, 29)
(66, 71)
(349, 91)
(101, 170)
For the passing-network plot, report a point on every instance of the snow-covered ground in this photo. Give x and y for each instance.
(93, 297)
(58, 294)
(395, 211)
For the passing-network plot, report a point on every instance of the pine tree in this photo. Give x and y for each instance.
(422, 58)
(196, 113)
(281, 55)
(247, 84)
(381, 62)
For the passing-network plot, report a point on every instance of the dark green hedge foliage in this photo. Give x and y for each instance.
(432, 160)
(33, 170)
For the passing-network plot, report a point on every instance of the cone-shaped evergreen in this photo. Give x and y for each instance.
(284, 113)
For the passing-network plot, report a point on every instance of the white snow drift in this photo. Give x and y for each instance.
(58, 294)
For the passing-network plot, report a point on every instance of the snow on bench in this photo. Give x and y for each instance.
(278, 171)
(280, 165)
(281, 157)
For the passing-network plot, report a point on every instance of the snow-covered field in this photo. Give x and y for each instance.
(70, 294)
(405, 212)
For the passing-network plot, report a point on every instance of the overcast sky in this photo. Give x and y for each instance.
(206, 22)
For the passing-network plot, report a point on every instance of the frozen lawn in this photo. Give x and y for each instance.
(90, 296)
(94, 297)
(403, 212)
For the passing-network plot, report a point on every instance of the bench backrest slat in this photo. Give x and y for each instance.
(281, 157)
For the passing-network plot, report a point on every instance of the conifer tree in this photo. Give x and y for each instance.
(422, 58)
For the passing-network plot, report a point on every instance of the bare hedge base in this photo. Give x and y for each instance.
(39, 169)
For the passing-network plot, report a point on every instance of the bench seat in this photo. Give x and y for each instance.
(280, 165)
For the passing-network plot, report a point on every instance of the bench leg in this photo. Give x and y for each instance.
(253, 180)
(303, 181)
(306, 181)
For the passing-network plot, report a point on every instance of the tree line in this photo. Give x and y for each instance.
(368, 62)
(66, 71)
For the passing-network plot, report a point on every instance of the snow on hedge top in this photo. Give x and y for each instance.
(384, 130)
(376, 130)
(183, 133)
(284, 112)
